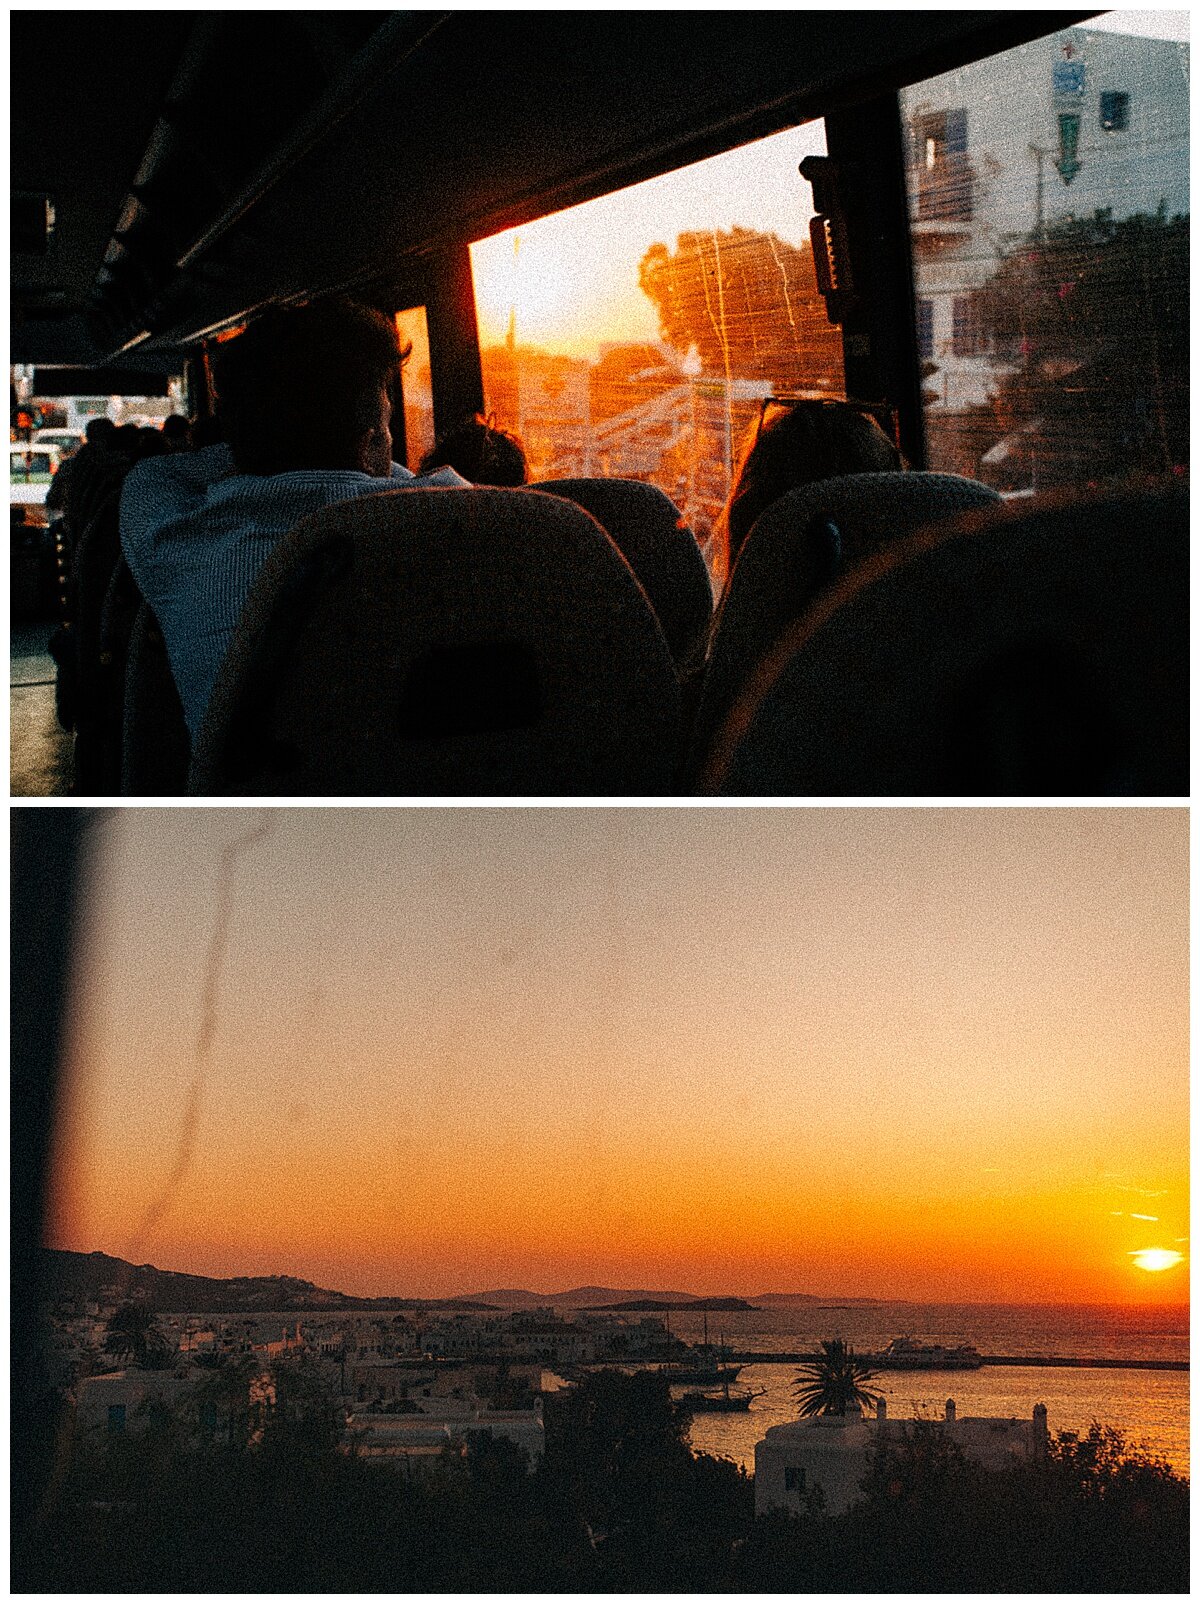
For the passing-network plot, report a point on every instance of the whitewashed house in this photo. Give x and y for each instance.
(437, 1426)
(832, 1452)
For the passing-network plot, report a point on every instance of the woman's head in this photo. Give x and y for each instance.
(482, 453)
(797, 443)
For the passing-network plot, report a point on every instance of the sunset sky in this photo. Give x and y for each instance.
(574, 278)
(929, 1053)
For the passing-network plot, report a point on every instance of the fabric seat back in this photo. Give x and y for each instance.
(648, 529)
(444, 642)
(98, 682)
(799, 546)
(1034, 650)
(156, 749)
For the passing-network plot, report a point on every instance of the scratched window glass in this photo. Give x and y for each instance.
(1049, 204)
(635, 336)
(429, 1050)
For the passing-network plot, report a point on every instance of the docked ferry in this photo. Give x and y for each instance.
(903, 1353)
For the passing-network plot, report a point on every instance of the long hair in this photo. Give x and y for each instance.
(807, 441)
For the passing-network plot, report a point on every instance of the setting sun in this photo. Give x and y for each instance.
(1157, 1258)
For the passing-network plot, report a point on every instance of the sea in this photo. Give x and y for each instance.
(1149, 1407)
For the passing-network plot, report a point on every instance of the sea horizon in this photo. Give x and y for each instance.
(626, 1293)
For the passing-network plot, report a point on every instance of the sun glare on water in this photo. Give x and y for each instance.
(1157, 1258)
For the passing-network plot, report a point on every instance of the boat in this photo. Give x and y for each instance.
(707, 1369)
(714, 1402)
(704, 1375)
(903, 1353)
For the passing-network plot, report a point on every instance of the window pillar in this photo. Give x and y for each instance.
(453, 338)
(880, 332)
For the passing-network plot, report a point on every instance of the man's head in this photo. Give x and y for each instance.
(310, 388)
(101, 432)
(176, 433)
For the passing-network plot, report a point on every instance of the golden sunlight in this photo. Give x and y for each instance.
(524, 284)
(1157, 1258)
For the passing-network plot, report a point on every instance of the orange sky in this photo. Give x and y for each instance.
(927, 1053)
(573, 278)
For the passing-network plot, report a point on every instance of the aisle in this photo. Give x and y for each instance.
(40, 751)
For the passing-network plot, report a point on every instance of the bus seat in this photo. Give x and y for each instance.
(445, 643)
(94, 480)
(798, 546)
(1031, 650)
(156, 749)
(98, 688)
(649, 530)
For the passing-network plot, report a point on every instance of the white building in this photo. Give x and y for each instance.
(832, 1452)
(437, 1426)
(1077, 122)
(123, 1400)
(532, 1336)
(374, 1379)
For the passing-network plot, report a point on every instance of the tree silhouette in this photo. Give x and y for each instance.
(133, 1334)
(306, 1404)
(748, 302)
(227, 1391)
(834, 1383)
(1092, 319)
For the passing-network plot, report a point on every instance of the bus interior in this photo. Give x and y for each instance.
(625, 238)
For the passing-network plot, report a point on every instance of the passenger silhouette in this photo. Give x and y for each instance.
(481, 453)
(797, 441)
(304, 403)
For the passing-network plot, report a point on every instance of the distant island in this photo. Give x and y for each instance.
(85, 1276)
(770, 1300)
(697, 1305)
(65, 1275)
(608, 1299)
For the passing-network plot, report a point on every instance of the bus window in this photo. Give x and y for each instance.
(636, 336)
(416, 385)
(1048, 197)
(32, 467)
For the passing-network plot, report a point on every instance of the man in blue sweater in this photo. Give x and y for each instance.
(304, 403)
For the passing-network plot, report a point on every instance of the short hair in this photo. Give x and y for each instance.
(128, 439)
(175, 427)
(300, 387)
(481, 453)
(148, 443)
(99, 431)
(809, 441)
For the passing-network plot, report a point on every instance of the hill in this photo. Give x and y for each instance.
(606, 1298)
(83, 1276)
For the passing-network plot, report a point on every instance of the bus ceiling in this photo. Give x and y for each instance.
(174, 171)
(60, 381)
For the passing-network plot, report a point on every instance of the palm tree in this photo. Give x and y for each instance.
(834, 1382)
(227, 1392)
(133, 1333)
